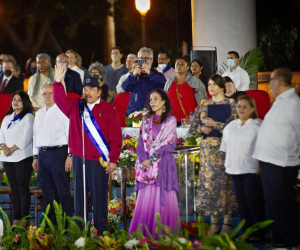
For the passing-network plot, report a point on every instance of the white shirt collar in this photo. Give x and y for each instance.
(8, 78)
(74, 67)
(247, 122)
(91, 106)
(285, 94)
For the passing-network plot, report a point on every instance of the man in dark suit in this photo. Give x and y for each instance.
(9, 83)
(71, 79)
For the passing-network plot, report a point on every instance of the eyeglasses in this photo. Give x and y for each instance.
(94, 73)
(273, 78)
(144, 58)
(61, 61)
(46, 93)
(243, 107)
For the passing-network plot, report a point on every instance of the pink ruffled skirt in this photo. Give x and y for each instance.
(148, 204)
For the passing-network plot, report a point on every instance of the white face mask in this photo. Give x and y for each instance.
(162, 66)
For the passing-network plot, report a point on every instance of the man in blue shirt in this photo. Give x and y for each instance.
(143, 80)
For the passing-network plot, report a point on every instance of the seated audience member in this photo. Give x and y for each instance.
(9, 83)
(164, 67)
(50, 154)
(185, 90)
(71, 80)
(196, 68)
(42, 76)
(16, 144)
(277, 149)
(97, 71)
(142, 81)
(79, 65)
(129, 62)
(238, 75)
(231, 91)
(114, 71)
(238, 143)
(72, 56)
(30, 71)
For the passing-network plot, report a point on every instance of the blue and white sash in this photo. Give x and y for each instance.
(94, 132)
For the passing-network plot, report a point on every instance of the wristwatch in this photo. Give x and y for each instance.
(69, 155)
(12, 150)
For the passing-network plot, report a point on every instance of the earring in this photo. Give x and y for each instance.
(164, 109)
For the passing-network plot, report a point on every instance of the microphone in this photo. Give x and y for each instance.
(83, 103)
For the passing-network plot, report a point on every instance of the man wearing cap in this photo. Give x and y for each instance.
(102, 144)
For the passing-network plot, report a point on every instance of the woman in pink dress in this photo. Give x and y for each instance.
(156, 174)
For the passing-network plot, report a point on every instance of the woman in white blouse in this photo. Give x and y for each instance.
(238, 142)
(16, 143)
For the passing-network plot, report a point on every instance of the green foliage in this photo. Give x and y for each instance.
(277, 43)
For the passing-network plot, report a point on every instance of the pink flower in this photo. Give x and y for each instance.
(127, 137)
(4, 173)
(132, 149)
(144, 240)
(16, 238)
(197, 244)
(41, 237)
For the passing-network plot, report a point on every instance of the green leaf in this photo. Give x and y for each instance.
(6, 222)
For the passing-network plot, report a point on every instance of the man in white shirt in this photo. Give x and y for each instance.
(129, 62)
(50, 154)
(278, 151)
(164, 67)
(72, 55)
(238, 75)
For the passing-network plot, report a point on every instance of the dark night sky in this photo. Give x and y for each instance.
(161, 26)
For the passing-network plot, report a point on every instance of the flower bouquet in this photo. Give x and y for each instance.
(115, 212)
(135, 118)
(128, 151)
(130, 206)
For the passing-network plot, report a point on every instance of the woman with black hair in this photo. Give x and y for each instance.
(156, 175)
(16, 143)
(196, 68)
(185, 91)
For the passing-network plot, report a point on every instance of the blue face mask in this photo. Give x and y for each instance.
(230, 63)
(65, 65)
(0, 68)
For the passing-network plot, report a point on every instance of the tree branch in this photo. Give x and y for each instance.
(55, 43)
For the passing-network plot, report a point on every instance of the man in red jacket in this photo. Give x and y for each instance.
(102, 140)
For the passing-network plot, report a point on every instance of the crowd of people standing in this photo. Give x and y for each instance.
(244, 161)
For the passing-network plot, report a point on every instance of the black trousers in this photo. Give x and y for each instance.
(279, 187)
(55, 181)
(97, 185)
(250, 196)
(18, 174)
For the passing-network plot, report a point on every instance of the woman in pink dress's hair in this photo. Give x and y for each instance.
(155, 170)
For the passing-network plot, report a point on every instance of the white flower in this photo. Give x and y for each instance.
(129, 244)
(182, 240)
(80, 242)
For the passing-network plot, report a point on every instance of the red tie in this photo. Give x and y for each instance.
(3, 86)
